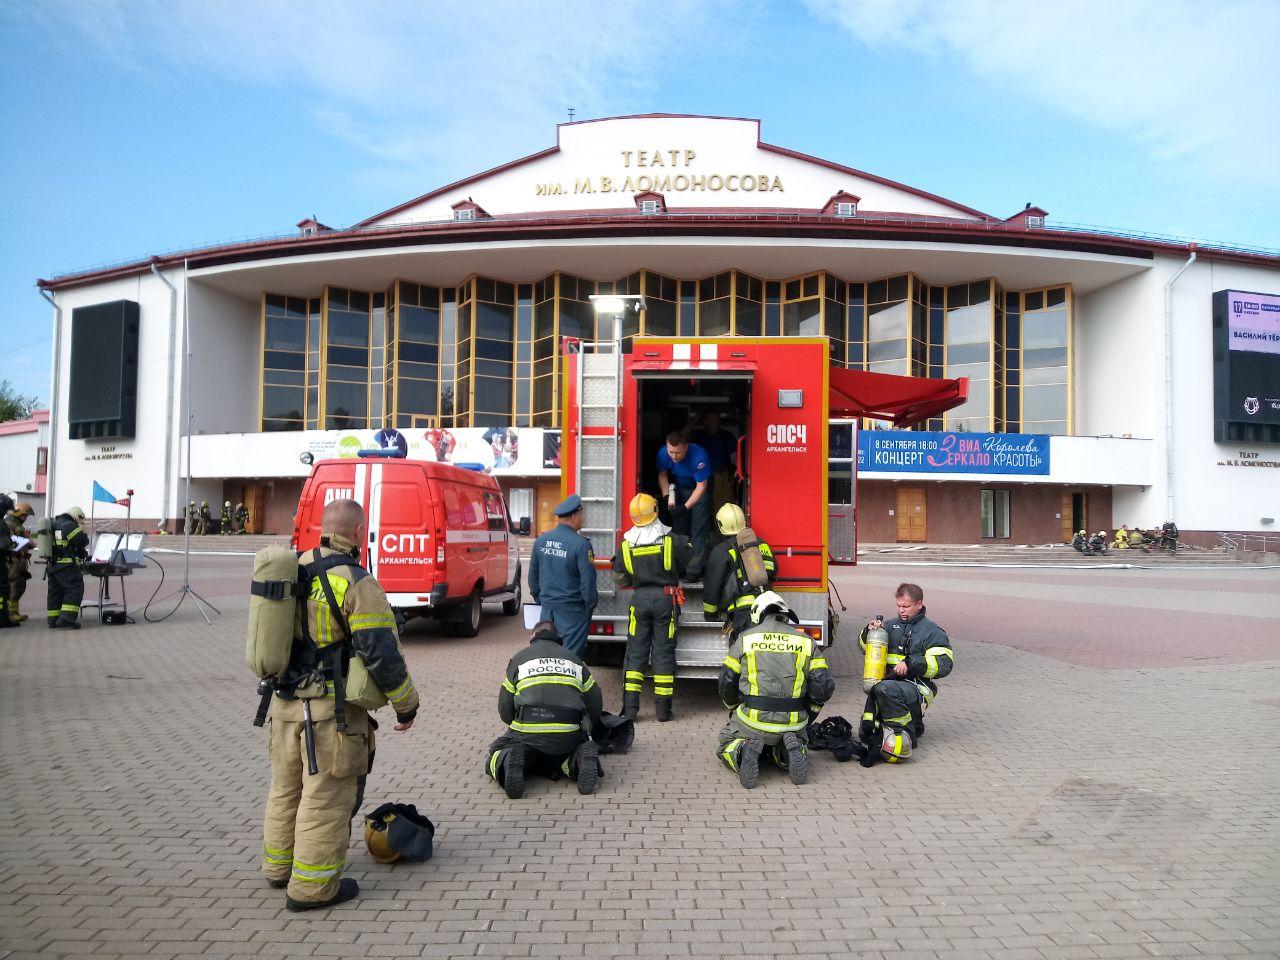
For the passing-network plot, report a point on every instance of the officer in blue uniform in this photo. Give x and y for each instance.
(562, 576)
(686, 467)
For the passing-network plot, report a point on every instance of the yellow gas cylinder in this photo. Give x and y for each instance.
(873, 664)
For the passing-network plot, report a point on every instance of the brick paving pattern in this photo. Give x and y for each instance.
(1098, 780)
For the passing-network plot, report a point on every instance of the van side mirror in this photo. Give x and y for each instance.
(525, 527)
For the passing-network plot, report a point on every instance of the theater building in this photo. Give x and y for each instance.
(1103, 390)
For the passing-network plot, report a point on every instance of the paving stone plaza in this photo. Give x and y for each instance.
(1098, 779)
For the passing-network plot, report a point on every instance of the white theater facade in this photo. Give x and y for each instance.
(1091, 355)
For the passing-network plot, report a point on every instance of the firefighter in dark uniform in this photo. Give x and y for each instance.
(546, 696)
(193, 518)
(651, 560)
(726, 592)
(19, 571)
(307, 825)
(562, 576)
(775, 681)
(224, 519)
(8, 554)
(242, 518)
(66, 582)
(206, 518)
(919, 654)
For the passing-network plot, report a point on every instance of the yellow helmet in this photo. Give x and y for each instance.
(643, 509)
(730, 519)
(396, 831)
(895, 745)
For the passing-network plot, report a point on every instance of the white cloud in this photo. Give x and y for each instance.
(1193, 81)
(424, 87)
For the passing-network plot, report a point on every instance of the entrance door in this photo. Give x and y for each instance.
(911, 515)
(548, 499)
(255, 501)
(1075, 513)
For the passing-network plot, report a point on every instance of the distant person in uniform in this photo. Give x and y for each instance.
(685, 467)
(242, 518)
(562, 576)
(224, 519)
(389, 438)
(206, 518)
(722, 450)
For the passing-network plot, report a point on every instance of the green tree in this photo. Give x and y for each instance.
(13, 405)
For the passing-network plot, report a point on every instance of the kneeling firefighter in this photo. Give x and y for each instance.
(323, 637)
(775, 682)
(546, 696)
(917, 652)
(67, 547)
(651, 560)
(741, 567)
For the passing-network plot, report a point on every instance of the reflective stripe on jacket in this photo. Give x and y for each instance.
(773, 675)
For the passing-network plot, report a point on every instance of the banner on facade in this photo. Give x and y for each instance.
(909, 451)
(501, 451)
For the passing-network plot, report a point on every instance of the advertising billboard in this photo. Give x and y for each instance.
(918, 451)
(1246, 366)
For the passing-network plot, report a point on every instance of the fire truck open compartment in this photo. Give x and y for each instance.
(674, 401)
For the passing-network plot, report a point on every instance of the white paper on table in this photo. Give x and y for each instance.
(532, 615)
(20, 543)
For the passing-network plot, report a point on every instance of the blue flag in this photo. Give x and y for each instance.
(102, 495)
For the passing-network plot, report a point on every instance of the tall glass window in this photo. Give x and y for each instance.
(493, 355)
(661, 305)
(834, 294)
(524, 355)
(377, 359)
(577, 315)
(463, 325)
(970, 329)
(417, 355)
(284, 362)
(748, 305)
(346, 359)
(448, 354)
(544, 352)
(802, 307)
(856, 317)
(315, 320)
(888, 326)
(714, 299)
(1046, 348)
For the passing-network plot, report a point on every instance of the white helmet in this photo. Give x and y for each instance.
(770, 602)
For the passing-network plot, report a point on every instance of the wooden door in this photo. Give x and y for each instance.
(548, 500)
(255, 500)
(1068, 516)
(911, 515)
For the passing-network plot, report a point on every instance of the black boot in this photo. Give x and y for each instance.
(348, 889)
(662, 708)
(69, 623)
(797, 758)
(630, 704)
(749, 763)
(4, 618)
(587, 758)
(513, 772)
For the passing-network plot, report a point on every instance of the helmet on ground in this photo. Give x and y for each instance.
(895, 745)
(24, 509)
(613, 734)
(643, 509)
(770, 602)
(396, 831)
(76, 513)
(730, 519)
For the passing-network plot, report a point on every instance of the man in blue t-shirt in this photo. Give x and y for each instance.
(684, 467)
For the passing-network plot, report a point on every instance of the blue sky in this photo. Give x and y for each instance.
(132, 127)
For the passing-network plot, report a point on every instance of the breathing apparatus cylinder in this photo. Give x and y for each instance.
(273, 607)
(876, 658)
(752, 559)
(44, 538)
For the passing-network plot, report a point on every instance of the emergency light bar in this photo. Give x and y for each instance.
(391, 452)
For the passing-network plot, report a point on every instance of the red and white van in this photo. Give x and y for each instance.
(439, 541)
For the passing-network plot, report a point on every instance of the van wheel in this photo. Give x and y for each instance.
(511, 607)
(469, 624)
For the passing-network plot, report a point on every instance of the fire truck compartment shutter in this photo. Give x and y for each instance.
(886, 396)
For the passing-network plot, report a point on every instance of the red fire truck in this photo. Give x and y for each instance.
(778, 395)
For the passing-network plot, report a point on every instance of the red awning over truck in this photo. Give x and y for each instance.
(885, 396)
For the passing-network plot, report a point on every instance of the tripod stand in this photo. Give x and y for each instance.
(186, 590)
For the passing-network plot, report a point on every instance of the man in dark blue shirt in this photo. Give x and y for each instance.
(562, 576)
(722, 447)
(685, 468)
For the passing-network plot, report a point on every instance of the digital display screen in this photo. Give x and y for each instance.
(1246, 365)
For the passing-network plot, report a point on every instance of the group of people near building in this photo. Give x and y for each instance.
(200, 520)
(1165, 537)
(774, 679)
(65, 549)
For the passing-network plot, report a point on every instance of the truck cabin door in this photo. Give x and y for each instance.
(399, 544)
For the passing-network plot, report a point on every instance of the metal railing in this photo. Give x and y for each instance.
(765, 215)
(1254, 542)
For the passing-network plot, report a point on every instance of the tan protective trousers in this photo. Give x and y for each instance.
(307, 827)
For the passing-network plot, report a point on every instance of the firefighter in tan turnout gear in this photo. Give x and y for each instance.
(344, 617)
(775, 681)
(651, 560)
